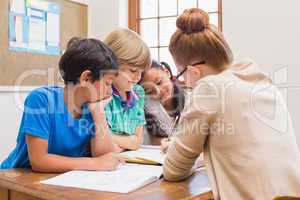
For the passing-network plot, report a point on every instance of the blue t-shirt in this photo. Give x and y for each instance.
(46, 116)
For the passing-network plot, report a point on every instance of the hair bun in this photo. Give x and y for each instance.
(193, 20)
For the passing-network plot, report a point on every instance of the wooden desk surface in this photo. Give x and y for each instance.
(17, 182)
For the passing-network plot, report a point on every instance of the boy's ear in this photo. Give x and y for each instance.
(85, 76)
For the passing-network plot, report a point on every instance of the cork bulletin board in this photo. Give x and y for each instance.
(30, 69)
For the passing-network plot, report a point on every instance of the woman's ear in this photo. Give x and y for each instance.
(85, 76)
(196, 71)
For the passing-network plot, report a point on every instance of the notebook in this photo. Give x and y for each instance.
(125, 179)
(146, 154)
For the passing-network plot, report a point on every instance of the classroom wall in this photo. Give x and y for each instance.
(11, 111)
(104, 16)
(268, 32)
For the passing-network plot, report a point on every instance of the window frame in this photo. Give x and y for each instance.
(134, 23)
(134, 15)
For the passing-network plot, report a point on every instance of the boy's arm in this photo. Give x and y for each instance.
(37, 142)
(131, 142)
(42, 161)
(102, 142)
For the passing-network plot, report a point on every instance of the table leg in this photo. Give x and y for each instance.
(4, 194)
(21, 196)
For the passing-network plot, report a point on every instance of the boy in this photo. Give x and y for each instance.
(65, 129)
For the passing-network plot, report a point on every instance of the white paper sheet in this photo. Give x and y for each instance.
(18, 42)
(39, 4)
(37, 34)
(150, 146)
(17, 6)
(125, 179)
(147, 153)
(19, 29)
(53, 29)
(204, 181)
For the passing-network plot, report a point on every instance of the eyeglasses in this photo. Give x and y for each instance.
(184, 70)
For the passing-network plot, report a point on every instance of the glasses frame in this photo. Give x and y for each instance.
(185, 69)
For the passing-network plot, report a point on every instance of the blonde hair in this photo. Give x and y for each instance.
(129, 48)
(196, 40)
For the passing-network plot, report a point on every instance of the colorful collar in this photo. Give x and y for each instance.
(129, 102)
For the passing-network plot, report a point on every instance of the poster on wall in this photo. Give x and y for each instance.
(34, 26)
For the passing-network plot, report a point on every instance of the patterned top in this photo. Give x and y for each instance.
(124, 116)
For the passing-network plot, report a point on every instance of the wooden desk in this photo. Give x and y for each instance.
(20, 184)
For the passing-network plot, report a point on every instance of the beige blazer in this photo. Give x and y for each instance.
(241, 123)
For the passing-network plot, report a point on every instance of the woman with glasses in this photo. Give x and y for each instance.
(234, 114)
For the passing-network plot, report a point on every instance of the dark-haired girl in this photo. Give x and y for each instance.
(164, 102)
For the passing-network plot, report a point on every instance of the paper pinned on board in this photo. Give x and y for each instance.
(37, 34)
(19, 29)
(52, 29)
(17, 6)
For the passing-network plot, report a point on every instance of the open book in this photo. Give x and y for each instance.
(146, 154)
(125, 179)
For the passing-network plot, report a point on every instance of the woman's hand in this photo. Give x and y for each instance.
(164, 144)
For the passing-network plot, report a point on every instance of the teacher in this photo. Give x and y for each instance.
(235, 115)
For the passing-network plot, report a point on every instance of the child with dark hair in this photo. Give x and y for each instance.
(163, 103)
(65, 129)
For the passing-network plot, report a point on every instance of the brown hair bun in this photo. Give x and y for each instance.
(195, 40)
(193, 20)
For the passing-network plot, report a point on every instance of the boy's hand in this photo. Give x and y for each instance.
(98, 106)
(164, 145)
(109, 161)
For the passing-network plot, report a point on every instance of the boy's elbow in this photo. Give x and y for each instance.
(37, 167)
(136, 145)
(133, 147)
